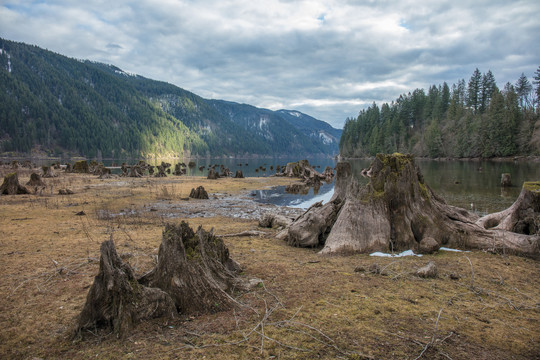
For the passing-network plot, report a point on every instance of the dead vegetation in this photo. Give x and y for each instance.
(305, 306)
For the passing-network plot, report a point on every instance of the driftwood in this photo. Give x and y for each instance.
(11, 186)
(195, 269)
(396, 211)
(116, 301)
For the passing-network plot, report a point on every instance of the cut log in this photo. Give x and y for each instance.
(11, 186)
(396, 210)
(195, 269)
(116, 301)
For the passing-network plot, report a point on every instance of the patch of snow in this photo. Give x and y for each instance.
(294, 113)
(325, 138)
(449, 249)
(263, 120)
(405, 253)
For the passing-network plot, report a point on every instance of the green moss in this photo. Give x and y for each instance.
(532, 186)
(424, 191)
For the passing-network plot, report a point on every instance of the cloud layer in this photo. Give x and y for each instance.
(329, 58)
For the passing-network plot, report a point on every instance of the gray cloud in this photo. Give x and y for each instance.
(327, 58)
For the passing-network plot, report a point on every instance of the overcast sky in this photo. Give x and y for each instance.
(329, 59)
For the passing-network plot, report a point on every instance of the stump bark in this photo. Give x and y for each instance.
(195, 269)
(212, 174)
(396, 211)
(81, 167)
(116, 301)
(11, 186)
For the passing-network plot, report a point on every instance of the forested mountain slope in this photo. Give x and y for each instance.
(58, 105)
(476, 119)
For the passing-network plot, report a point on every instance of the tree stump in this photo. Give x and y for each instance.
(36, 182)
(506, 180)
(116, 301)
(81, 167)
(48, 172)
(199, 193)
(239, 174)
(396, 210)
(11, 186)
(212, 174)
(195, 269)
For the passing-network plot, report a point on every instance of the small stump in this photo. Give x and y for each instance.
(199, 193)
(11, 186)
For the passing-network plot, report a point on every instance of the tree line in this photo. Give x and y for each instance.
(468, 119)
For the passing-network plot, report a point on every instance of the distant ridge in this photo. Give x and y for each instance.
(56, 105)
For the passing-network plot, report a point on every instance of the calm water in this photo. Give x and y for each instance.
(473, 185)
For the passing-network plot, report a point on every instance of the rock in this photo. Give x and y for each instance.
(428, 245)
(428, 271)
(374, 268)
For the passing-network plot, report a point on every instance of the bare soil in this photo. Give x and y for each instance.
(305, 306)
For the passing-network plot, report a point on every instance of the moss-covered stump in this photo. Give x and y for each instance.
(116, 301)
(195, 269)
(396, 211)
(11, 186)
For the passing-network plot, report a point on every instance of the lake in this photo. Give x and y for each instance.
(470, 184)
(473, 185)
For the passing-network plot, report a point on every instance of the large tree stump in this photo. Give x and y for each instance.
(116, 301)
(396, 210)
(11, 186)
(195, 269)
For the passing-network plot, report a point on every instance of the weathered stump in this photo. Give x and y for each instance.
(212, 174)
(195, 269)
(35, 180)
(239, 174)
(506, 180)
(396, 211)
(199, 193)
(81, 167)
(116, 301)
(11, 186)
(192, 164)
(48, 172)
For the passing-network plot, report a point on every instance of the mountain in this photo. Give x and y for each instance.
(58, 105)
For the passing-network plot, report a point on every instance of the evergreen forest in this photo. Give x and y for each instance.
(467, 120)
(54, 105)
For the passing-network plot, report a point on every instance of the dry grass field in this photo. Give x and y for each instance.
(480, 306)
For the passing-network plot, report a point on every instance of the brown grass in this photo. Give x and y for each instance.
(308, 306)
